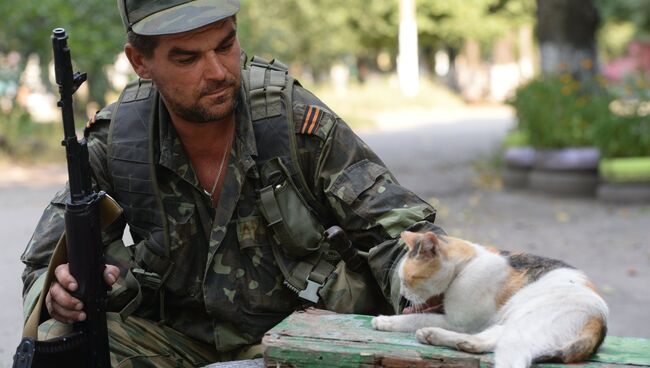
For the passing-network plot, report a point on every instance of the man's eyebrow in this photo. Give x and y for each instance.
(177, 51)
(229, 37)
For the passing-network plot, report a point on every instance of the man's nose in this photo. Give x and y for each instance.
(214, 68)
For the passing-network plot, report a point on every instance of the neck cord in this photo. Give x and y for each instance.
(218, 175)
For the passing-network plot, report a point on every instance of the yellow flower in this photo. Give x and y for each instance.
(581, 102)
(566, 78)
(566, 90)
(586, 64)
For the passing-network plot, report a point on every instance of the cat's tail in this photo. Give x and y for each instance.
(588, 340)
(519, 350)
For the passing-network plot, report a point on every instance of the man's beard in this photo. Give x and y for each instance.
(199, 112)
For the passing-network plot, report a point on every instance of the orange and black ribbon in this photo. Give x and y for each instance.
(311, 121)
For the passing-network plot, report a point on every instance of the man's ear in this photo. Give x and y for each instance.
(138, 61)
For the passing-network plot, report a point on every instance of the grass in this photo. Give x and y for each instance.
(360, 104)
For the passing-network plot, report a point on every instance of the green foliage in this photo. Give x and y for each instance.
(295, 31)
(559, 111)
(95, 29)
(623, 22)
(624, 131)
(452, 22)
(23, 139)
(516, 138)
(634, 11)
(320, 32)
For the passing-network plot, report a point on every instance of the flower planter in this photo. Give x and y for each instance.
(625, 180)
(517, 164)
(566, 172)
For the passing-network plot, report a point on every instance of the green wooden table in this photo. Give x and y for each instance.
(316, 338)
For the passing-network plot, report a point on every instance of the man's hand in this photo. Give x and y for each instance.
(62, 306)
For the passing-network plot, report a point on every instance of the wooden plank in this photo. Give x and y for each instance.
(251, 363)
(316, 338)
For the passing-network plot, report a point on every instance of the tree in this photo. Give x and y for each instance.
(94, 26)
(295, 31)
(566, 30)
(635, 11)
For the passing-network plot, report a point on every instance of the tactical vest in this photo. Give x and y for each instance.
(290, 209)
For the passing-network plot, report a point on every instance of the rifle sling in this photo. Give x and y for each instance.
(109, 212)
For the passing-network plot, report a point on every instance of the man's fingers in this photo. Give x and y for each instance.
(111, 274)
(62, 298)
(62, 306)
(65, 315)
(63, 276)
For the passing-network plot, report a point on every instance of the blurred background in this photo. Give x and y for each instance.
(526, 123)
(363, 57)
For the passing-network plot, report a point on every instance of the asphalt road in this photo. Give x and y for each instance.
(444, 157)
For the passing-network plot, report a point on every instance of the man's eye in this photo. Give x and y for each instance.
(186, 61)
(226, 47)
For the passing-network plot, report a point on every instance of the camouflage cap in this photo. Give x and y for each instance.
(158, 17)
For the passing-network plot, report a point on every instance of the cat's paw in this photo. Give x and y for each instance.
(470, 347)
(431, 335)
(384, 323)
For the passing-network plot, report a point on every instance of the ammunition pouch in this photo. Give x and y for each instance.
(311, 269)
(298, 235)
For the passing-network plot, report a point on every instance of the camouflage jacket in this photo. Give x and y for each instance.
(225, 287)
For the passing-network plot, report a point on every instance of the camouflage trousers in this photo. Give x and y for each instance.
(140, 343)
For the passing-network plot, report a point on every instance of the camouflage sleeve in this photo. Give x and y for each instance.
(51, 224)
(362, 195)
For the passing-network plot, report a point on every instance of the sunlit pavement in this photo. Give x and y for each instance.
(444, 156)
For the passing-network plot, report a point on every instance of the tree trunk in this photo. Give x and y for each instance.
(566, 30)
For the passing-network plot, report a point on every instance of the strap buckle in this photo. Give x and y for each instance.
(311, 291)
(147, 280)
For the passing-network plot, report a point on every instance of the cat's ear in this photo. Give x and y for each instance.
(410, 238)
(429, 244)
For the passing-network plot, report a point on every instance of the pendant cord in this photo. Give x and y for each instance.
(218, 175)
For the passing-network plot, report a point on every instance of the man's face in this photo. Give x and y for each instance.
(197, 73)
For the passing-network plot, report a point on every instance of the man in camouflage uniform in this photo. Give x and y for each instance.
(210, 265)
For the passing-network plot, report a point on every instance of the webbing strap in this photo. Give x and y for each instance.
(273, 215)
(131, 284)
(267, 80)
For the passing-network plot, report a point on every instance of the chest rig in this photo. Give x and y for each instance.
(289, 208)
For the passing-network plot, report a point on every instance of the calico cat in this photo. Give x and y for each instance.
(525, 308)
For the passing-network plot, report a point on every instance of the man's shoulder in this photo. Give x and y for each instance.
(106, 113)
(311, 115)
(99, 123)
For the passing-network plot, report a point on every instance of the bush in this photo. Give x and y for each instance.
(559, 111)
(23, 139)
(625, 130)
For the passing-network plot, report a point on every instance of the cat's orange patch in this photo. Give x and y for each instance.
(419, 270)
(515, 281)
(458, 249)
(591, 286)
(588, 341)
(491, 249)
(410, 238)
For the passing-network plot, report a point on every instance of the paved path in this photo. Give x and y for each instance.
(437, 155)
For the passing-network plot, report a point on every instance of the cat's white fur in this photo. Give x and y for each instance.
(539, 320)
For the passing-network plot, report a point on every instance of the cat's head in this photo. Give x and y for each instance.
(429, 266)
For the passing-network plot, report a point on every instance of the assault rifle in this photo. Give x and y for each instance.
(87, 345)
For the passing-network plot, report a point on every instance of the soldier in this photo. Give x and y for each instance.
(228, 174)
